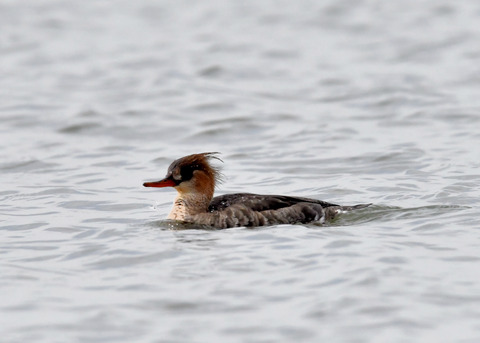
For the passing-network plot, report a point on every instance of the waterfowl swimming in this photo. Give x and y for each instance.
(195, 178)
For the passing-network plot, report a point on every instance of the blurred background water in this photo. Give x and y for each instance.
(344, 101)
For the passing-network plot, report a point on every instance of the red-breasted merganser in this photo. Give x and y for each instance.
(195, 178)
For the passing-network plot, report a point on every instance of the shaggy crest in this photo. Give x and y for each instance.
(200, 161)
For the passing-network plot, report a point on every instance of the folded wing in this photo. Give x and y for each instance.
(258, 202)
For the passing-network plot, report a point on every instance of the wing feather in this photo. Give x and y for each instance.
(258, 202)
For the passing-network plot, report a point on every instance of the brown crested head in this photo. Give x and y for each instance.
(192, 173)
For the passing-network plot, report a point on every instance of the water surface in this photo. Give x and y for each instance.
(348, 102)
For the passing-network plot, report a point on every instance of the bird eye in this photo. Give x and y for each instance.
(187, 172)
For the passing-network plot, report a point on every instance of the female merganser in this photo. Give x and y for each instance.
(195, 178)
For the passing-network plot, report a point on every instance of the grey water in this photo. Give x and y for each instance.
(345, 101)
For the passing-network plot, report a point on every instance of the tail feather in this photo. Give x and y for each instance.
(354, 207)
(331, 212)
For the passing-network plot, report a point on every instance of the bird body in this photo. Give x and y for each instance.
(194, 178)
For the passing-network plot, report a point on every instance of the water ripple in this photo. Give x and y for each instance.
(340, 101)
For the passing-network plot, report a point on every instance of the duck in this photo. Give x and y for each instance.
(195, 178)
